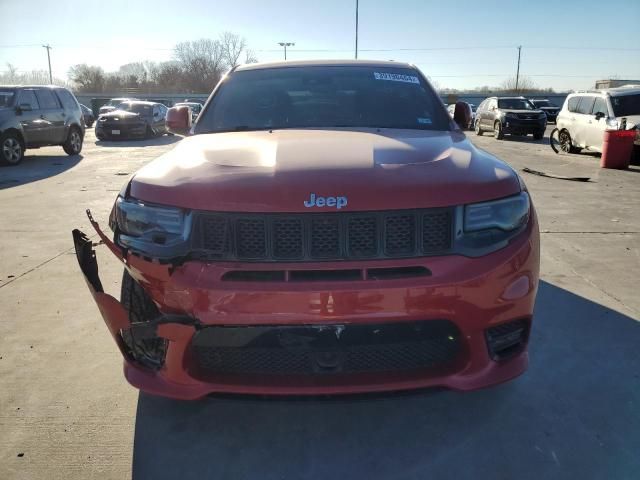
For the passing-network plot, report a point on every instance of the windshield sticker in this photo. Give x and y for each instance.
(396, 77)
(424, 121)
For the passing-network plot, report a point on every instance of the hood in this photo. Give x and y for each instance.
(537, 111)
(278, 172)
(120, 114)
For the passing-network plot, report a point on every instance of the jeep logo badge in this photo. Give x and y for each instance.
(318, 201)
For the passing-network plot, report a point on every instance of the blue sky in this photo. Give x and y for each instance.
(459, 44)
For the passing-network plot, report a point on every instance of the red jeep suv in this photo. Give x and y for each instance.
(325, 228)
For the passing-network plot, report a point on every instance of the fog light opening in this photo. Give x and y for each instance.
(507, 339)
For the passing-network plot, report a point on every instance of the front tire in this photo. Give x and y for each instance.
(11, 149)
(73, 145)
(498, 133)
(477, 128)
(538, 135)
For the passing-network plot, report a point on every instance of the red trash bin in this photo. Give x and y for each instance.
(617, 148)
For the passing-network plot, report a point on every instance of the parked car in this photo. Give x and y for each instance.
(195, 108)
(452, 108)
(132, 119)
(326, 228)
(510, 115)
(87, 114)
(549, 108)
(111, 105)
(586, 115)
(38, 116)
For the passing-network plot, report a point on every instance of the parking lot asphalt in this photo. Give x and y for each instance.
(66, 411)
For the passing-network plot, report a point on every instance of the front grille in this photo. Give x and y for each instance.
(324, 349)
(333, 236)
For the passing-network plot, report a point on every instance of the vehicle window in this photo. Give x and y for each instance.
(6, 98)
(600, 106)
(317, 97)
(585, 105)
(573, 103)
(47, 99)
(140, 108)
(624, 105)
(28, 97)
(515, 104)
(68, 101)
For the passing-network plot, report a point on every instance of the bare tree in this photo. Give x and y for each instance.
(250, 57)
(525, 84)
(202, 62)
(12, 74)
(232, 47)
(87, 78)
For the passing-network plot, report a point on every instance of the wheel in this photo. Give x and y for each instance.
(497, 131)
(538, 135)
(147, 351)
(89, 124)
(566, 144)
(73, 145)
(12, 149)
(477, 128)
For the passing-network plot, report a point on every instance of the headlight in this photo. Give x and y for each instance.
(506, 214)
(142, 224)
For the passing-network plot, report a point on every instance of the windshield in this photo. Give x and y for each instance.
(324, 97)
(515, 104)
(543, 103)
(6, 98)
(140, 108)
(624, 105)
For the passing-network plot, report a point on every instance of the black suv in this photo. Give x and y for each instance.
(513, 115)
(132, 119)
(38, 116)
(547, 107)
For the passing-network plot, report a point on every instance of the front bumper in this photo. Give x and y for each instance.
(473, 294)
(520, 126)
(126, 130)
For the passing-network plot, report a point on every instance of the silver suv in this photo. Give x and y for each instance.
(586, 115)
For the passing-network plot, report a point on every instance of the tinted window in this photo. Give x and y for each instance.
(600, 106)
(318, 97)
(585, 105)
(68, 100)
(46, 99)
(626, 105)
(515, 104)
(29, 97)
(573, 103)
(6, 98)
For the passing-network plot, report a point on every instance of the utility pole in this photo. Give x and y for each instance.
(49, 47)
(285, 45)
(518, 70)
(356, 29)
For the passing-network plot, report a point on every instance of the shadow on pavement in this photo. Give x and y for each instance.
(573, 414)
(36, 167)
(140, 142)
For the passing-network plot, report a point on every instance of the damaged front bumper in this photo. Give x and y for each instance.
(473, 293)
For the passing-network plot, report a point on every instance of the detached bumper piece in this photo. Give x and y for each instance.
(324, 350)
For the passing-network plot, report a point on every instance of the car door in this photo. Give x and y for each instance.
(490, 114)
(28, 114)
(582, 116)
(54, 116)
(596, 125)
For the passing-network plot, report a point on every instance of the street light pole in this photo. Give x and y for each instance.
(48, 47)
(356, 29)
(285, 45)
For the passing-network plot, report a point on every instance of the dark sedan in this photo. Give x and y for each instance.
(136, 119)
(87, 114)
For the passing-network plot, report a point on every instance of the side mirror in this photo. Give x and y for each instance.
(462, 114)
(599, 115)
(179, 120)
